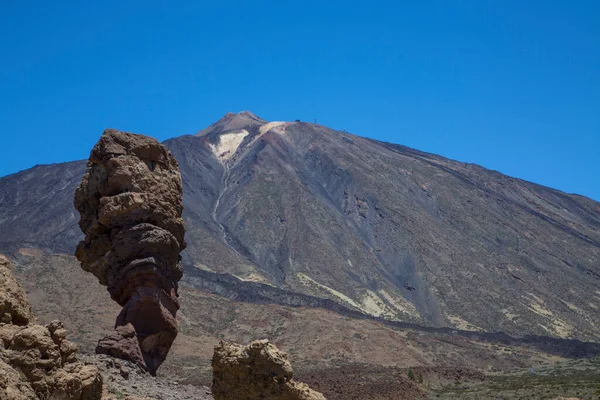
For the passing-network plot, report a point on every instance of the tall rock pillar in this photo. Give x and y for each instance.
(130, 201)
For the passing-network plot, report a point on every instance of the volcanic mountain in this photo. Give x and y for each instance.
(297, 214)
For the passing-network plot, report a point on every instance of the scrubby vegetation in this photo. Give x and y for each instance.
(578, 379)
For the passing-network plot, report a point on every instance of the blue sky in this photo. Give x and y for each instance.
(510, 85)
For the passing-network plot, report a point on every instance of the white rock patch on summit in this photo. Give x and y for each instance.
(228, 144)
(273, 125)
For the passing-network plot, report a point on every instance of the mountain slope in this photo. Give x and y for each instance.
(377, 228)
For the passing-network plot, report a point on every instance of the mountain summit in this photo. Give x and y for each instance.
(294, 213)
(231, 122)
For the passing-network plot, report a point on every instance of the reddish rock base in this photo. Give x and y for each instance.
(145, 329)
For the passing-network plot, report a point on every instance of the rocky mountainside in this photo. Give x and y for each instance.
(298, 214)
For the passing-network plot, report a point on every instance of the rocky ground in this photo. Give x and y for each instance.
(343, 358)
(123, 379)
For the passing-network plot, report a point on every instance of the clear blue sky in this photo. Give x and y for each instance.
(511, 85)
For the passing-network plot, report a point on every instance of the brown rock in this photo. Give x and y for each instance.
(130, 201)
(48, 367)
(123, 344)
(13, 385)
(78, 381)
(38, 361)
(256, 371)
(14, 307)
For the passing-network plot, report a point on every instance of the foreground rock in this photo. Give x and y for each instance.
(38, 361)
(130, 201)
(14, 307)
(256, 371)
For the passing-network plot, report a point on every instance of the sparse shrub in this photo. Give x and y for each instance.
(411, 375)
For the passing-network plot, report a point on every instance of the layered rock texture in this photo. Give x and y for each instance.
(256, 371)
(130, 201)
(14, 307)
(38, 361)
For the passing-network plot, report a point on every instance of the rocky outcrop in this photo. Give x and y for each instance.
(14, 307)
(130, 201)
(13, 385)
(256, 371)
(38, 361)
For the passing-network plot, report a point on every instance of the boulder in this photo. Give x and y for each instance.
(256, 371)
(47, 362)
(122, 344)
(14, 307)
(13, 385)
(38, 361)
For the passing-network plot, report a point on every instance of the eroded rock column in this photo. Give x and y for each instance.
(130, 201)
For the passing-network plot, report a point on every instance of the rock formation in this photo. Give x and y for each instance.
(38, 361)
(256, 371)
(14, 307)
(130, 201)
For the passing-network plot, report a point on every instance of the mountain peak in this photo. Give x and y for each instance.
(232, 121)
(248, 114)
